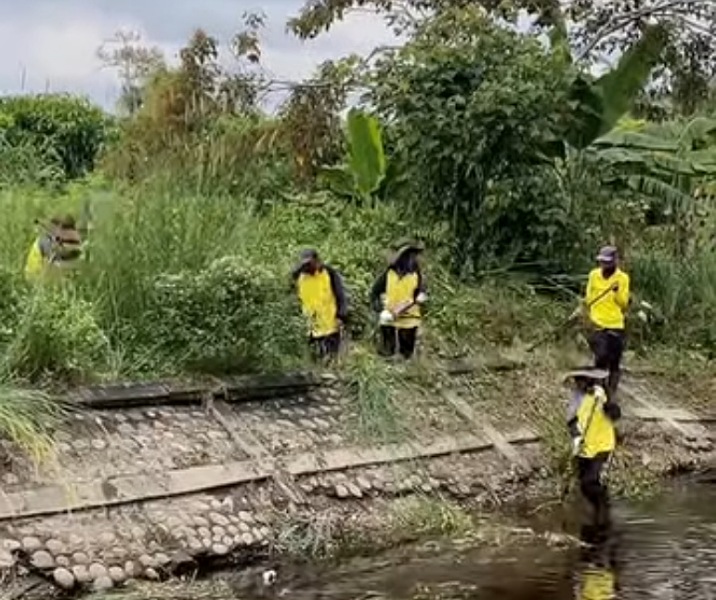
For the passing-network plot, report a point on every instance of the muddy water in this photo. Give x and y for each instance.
(664, 548)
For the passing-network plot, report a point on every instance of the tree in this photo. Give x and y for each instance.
(135, 64)
(598, 31)
(472, 108)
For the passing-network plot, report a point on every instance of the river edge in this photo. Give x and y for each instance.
(296, 508)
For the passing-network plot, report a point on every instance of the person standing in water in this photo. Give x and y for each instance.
(591, 419)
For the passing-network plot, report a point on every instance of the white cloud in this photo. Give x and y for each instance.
(52, 45)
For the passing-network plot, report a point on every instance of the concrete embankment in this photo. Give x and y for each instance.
(150, 481)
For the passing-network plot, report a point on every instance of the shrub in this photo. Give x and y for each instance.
(57, 335)
(67, 131)
(230, 317)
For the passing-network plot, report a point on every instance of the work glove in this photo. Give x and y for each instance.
(386, 317)
(577, 445)
(421, 298)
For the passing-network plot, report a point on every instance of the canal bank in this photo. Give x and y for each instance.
(153, 482)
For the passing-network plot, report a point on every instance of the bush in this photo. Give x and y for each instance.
(231, 317)
(66, 131)
(57, 335)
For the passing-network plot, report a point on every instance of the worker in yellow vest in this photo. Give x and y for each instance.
(398, 295)
(591, 419)
(58, 246)
(607, 301)
(323, 301)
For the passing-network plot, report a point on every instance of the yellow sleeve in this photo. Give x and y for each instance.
(622, 296)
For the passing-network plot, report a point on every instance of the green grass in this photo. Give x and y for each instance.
(26, 419)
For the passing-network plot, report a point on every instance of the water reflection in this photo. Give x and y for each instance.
(598, 576)
(661, 550)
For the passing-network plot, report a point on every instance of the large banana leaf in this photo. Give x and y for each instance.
(366, 156)
(598, 105)
(620, 86)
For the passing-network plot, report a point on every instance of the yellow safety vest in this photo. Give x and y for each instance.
(608, 311)
(35, 263)
(319, 302)
(598, 584)
(596, 428)
(400, 291)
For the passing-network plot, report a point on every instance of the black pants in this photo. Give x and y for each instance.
(325, 347)
(607, 345)
(398, 339)
(593, 488)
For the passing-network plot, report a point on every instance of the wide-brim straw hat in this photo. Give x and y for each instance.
(592, 373)
(403, 246)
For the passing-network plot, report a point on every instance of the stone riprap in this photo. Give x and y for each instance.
(160, 489)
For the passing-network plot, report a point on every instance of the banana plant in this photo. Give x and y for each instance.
(365, 169)
(595, 106)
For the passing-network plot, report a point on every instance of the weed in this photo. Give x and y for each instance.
(27, 417)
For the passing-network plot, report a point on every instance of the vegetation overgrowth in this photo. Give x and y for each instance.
(498, 148)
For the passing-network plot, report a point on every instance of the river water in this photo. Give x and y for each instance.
(664, 548)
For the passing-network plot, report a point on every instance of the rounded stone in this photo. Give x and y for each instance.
(162, 559)
(132, 569)
(354, 490)
(97, 571)
(63, 561)
(218, 519)
(342, 491)
(99, 444)
(246, 517)
(10, 545)
(151, 574)
(31, 544)
(194, 545)
(219, 549)
(81, 574)
(42, 560)
(218, 531)
(232, 529)
(247, 539)
(102, 584)
(148, 562)
(63, 578)
(7, 560)
(107, 538)
(201, 522)
(117, 574)
(55, 547)
(227, 541)
(80, 558)
(244, 527)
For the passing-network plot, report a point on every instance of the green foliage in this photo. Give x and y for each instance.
(57, 335)
(599, 105)
(27, 417)
(366, 168)
(472, 116)
(65, 132)
(229, 317)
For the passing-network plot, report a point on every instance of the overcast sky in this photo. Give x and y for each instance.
(52, 44)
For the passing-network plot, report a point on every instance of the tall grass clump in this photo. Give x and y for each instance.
(683, 296)
(27, 418)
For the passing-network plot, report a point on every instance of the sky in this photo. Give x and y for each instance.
(51, 45)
